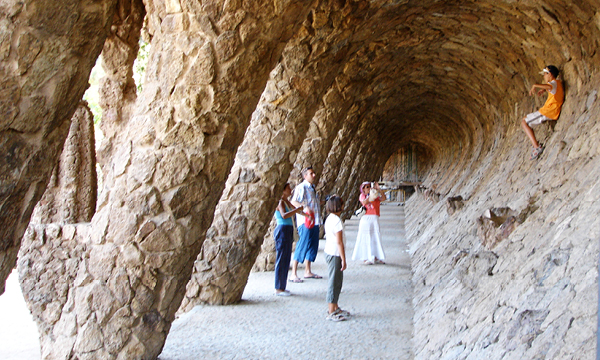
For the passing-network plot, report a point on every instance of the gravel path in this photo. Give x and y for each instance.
(264, 326)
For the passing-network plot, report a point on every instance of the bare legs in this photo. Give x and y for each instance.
(294, 276)
(294, 270)
(529, 132)
(307, 271)
(332, 307)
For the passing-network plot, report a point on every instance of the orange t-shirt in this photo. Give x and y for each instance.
(551, 108)
(372, 207)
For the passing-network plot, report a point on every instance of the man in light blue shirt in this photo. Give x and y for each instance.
(308, 244)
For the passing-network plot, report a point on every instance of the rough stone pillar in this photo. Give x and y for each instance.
(265, 159)
(341, 107)
(69, 199)
(118, 91)
(265, 261)
(323, 127)
(345, 166)
(48, 50)
(244, 209)
(120, 285)
(71, 194)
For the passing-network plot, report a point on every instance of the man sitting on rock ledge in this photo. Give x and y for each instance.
(550, 110)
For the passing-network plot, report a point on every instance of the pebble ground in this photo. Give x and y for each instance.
(264, 326)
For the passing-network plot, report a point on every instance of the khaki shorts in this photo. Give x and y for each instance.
(535, 118)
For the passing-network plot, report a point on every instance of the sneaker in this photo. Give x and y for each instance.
(537, 152)
(283, 293)
(334, 316)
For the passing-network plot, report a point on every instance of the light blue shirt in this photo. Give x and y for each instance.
(306, 195)
(280, 219)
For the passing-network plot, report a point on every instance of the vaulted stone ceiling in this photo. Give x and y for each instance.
(447, 73)
(361, 79)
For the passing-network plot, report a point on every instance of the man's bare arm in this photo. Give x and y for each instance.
(542, 87)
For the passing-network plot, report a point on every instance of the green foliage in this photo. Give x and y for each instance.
(139, 65)
(91, 94)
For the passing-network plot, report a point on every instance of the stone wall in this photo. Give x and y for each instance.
(512, 274)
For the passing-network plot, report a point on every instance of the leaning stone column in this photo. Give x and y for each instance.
(244, 210)
(356, 168)
(48, 50)
(339, 147)
(346, 160)
(134, 259)
(58, 227)
(339, 111)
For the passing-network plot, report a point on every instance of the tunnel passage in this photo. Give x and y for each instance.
(446, 77)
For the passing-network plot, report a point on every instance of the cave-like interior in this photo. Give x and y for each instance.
(238, 96)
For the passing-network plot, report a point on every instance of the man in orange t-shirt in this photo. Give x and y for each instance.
(550, 110)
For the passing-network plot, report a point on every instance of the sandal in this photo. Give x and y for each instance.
(313, 276)
(377, 261)
(344, 313)
(368, 262)
(334, 316)
(537, 152)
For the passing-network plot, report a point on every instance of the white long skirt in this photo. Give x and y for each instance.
(368, 241)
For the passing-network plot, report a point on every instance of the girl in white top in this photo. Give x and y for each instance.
(335, 253)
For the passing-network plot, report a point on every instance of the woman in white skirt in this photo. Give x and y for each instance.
(368, 242)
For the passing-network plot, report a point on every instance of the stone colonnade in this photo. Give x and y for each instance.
(344, 84)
